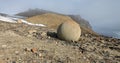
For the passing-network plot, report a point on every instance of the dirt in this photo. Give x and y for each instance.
(21, 43)
(49, 19)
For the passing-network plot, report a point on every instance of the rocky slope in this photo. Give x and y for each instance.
(22, 43)
(54, 20)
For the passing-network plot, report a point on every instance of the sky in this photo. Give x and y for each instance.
(103, 15)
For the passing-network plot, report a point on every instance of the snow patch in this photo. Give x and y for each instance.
(7, 19)
(14, 20)
(24, 21)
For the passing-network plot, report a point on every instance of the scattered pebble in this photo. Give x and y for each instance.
(34, 50)
(4, 46)
(32, 31)
(102, 41)
(86, 35)
(89, 49)
(48, 37)
(27, 49)
(40, 54)
(43, 34)
(84, 57)
(29, 35)
(16, 52)
(56, 42)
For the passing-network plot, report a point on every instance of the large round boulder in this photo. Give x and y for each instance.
(69, 31)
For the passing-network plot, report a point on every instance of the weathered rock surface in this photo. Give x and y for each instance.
(69, 31)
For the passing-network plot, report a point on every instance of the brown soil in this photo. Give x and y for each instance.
(21, 43)
(49, 19)
(52, 20)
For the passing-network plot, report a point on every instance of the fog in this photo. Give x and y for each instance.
(103, 15)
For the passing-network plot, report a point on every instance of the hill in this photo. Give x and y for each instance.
(49, 19)
(34, 12)
(53, 20)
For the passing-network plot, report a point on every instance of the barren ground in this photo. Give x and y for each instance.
(21, 43)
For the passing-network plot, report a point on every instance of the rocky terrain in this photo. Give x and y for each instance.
(21, 43)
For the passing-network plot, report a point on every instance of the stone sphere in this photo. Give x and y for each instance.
(69, 31)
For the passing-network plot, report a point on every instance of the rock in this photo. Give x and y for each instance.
(40, 54)
(17, 52)
(102, 41)
(43, 34)
(98, 39)
(19, 21)
(4, 46)
(31, 31)
(27, 49)
(29, 35)
(86, 35)
(114, 40)
(48, 37)
(69, 31)
(108, 40)
(34, 50)
(13, 61)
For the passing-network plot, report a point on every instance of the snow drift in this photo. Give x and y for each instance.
(14, 20)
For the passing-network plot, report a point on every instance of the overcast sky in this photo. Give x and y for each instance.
(102, 14)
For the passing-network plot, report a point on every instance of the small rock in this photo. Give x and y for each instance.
(84, 58)
(20, 59)
(98, 39)
(13, 61)
(43, 34)
(109, 40)
(24, 53)
(19, 21)
(29, 35)
(56, 42)
(102, 41)
(32, 31)
(4, 46)
(16, 52)
(27, 49)
(48, 37)
(34, 50)
(114, 40)
(40, 54)
(86, 35)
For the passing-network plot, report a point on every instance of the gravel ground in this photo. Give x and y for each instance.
(21, 43)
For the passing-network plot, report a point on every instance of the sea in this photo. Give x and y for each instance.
(114, 34)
